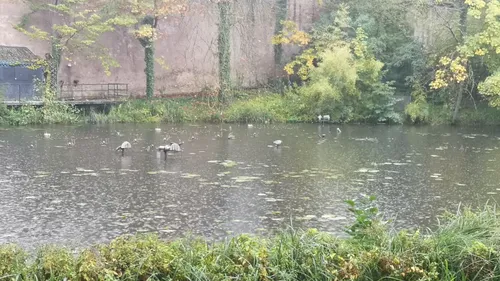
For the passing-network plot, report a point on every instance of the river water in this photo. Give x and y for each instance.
(73, 188)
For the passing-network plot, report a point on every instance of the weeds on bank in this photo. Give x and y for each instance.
(464, 246)
(260, 107)
(52, 112)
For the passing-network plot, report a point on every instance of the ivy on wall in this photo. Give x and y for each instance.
(53, 67)
(147, 43)
(224, 49)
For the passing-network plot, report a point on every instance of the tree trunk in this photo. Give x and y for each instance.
(457, 104)
(224, 46)
(149, 58)
(54, 61)
(463, 32)
(281, 15)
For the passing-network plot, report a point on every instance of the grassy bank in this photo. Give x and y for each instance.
(469, 116)
(257, 107)
(465, 246)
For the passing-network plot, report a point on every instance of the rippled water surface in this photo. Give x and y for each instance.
(74, 189)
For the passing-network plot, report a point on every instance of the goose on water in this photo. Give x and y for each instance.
(123, 146)
(323, 118)
(339, 131)
(72, 141)
(175, 147)
(277, 143)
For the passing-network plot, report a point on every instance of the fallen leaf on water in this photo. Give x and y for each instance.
(189, 176)
(332, 217)
(241, 179)
(228, 163)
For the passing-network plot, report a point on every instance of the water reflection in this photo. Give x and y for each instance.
(75, 193)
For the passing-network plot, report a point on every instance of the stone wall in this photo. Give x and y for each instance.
(188, 45)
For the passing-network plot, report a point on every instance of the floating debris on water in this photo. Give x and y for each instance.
(269, 182)
(241, 179)
(85, 174)
(189, 176)
(161, 172)
(84, 170)
(307, 217)
(228, 163)
(332, 217)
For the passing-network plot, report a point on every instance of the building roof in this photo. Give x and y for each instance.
(16, 56)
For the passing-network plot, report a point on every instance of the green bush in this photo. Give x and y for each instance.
(464, 246)
(12, 262)
(60, 113)
(348, 87)
(54, 263)
(417, 111)
(24, 115)
(163, 110)
(257, 109)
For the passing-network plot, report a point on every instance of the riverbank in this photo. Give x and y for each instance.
(255, 107)
(463, 247)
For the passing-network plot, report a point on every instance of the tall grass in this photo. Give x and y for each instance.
(164, 110)
(258, 107)
(464, 246)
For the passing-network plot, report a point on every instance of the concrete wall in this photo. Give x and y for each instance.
(432, 26)
(188, 45)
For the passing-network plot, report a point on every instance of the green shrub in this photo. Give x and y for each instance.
(25, 115)
(137, 258)
(54, 263)
(12, 262)
(261, 108)
(464, 246)
(163, 110)
(349, 88)
(418, 109)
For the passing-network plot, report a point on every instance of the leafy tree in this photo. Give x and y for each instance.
(75, 27)
(390, 35)
(452, 68)
(290, 34)
(347, 81)
(347, 84)
(147, 14)
(418, 109)
(477, 46)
